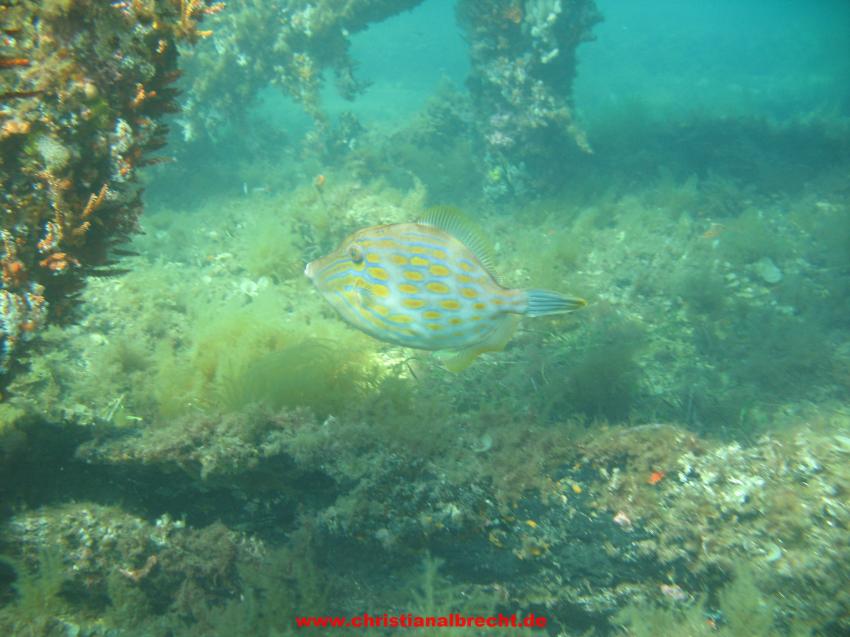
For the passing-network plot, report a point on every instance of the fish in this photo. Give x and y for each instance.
(429, 285)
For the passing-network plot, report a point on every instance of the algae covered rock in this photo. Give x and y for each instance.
(83, 88)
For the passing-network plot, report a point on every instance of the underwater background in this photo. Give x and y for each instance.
(192, 440)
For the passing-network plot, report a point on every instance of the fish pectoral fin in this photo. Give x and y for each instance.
(495, 342)
(365, 296)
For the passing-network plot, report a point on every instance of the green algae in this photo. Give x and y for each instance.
(271, 251)
(742, 610)
(276, 368)
(38, 599)
(308, 373)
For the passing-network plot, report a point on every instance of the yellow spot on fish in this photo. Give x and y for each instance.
(379, 273)
(412, 275)
(398, 259)
(474, 318)
(438, 254)
(431, 314)
(401, 318)
(479, 306)
(417, 250)
(466, 266)
(383, 310)
(413, 304)
(455, 321)
(576, 488)
(469, 293)
(434, 327)
(407, 288)
(531, 523)
(373, 257)
(419, 261)
(379, 290)
(439, 270)
(498, 302)
(464, 278)
(437, 288)
(450, 305)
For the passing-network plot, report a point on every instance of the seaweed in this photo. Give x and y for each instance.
(38, 591)
(752, 235)
(270, 247)
(245, 356)
(702, 288)
(599, 380)
(647, 620)
(783, 355)
(308, 373)
(743, 610)
(747, 610)
(432, 594)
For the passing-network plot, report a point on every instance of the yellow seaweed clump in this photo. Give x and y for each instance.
(305, 373)
(245, 358)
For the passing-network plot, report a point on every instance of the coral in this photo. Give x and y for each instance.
(523, 66)
(286, 43)
(81, 100)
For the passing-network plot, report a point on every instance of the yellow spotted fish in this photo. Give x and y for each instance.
(428, 285)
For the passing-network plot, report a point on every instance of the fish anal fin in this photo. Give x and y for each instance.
(462, 359)
(495, 342)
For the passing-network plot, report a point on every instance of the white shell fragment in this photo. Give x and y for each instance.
(767, 270)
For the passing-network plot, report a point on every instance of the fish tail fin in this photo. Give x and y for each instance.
(546, 302)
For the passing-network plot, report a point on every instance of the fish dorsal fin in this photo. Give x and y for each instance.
(466, 230)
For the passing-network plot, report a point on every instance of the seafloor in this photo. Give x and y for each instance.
(208, 450)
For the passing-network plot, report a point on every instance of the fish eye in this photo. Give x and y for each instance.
(356, 253)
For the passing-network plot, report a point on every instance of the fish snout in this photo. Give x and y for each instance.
(310, 270)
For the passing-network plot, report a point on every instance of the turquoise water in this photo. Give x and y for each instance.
(198, 439)
(721, 59)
